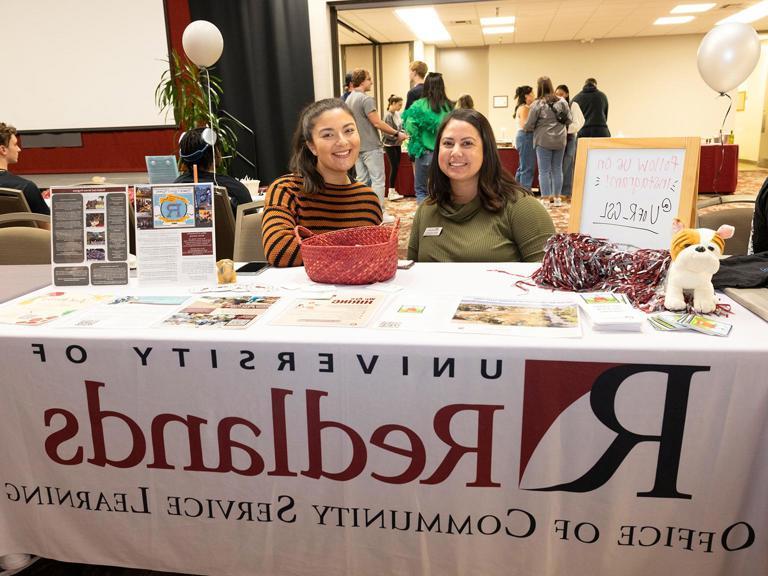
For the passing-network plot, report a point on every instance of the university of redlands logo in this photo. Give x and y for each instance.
(551, 387)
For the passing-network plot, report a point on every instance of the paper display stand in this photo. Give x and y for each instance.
(89, 235)
(175, 234)
(629, 190)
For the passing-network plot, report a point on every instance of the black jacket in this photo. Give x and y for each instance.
(594, 105)
(30, 189)
(760, 221)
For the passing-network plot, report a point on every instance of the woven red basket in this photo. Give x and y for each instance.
(362, 255)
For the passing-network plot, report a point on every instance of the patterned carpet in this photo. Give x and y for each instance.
(749, 182)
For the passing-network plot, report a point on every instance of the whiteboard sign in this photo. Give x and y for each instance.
(629, 193)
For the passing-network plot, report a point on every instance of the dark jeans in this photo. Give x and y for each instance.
(393, 153)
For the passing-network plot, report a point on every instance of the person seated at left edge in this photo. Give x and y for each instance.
(194, 150)
(475, 210)
(9, 154)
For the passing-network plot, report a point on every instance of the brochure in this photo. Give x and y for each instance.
(517, 317)
(45, 308)
(125, 312)
(89, 235)
(611, 311)
(175, 234)
(221, 311)
(347, 309)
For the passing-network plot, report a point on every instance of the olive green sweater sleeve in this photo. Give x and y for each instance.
(531, 226)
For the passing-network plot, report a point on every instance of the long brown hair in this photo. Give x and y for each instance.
(545, 91)
(496, 186)
(434, 92)
(303, 161)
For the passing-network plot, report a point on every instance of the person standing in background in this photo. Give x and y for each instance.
(465, 101)
(421, 122)
(391, 145)
(594, 106)
(9, 154)
(417, 71)
(549, 120)
(569, 158)
(370, 163)
(524, 140)
(347, 86)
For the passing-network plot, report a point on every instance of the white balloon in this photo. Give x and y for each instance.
(203, 43)
(727, 55)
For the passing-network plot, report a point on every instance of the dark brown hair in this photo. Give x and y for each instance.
(496, 186)
(520, 94)
(303, 161)
(6, 131)
(434, 92)
(564, 88)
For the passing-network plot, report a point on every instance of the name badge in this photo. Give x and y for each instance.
(433, 231)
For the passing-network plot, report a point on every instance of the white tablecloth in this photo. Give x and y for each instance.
(283, 450)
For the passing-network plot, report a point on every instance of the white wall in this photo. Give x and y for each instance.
(465, 70)
(748, 123)
(653, 84)
(394, 71)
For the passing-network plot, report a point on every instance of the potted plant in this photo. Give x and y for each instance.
(183, 91)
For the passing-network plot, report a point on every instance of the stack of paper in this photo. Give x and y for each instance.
(610, 311)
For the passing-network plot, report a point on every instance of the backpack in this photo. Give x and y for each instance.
(560, 115)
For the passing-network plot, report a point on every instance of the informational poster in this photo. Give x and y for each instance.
(175, 234)
(89, 235)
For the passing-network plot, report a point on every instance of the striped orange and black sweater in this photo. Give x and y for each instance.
(337, 206)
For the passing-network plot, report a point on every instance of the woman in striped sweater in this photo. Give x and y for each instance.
(318, 194)
(475, 210)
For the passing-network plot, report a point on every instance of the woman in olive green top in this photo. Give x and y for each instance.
(475, 211)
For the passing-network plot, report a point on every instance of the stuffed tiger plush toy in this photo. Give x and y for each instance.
(695, 258)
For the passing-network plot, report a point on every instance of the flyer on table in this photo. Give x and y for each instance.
(175, 234)
(89, 235)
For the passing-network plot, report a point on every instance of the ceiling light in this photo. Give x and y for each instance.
(499, 30)
(424, 23)
(497, 21)
(692, 8)
(664, 20)
(748, 15)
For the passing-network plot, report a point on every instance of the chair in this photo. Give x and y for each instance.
(22, 244)
(248, 246)
(740, 217)
(225, 223)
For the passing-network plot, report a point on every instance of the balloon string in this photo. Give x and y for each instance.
(722, 143)
(210, 121)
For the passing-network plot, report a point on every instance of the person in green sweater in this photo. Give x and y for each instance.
(421, 121)
(475, 211)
